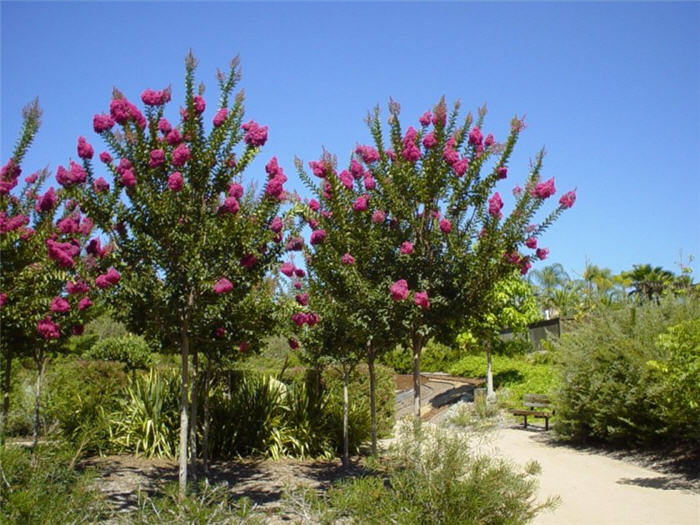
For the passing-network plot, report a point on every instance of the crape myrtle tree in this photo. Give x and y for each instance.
(434, 187)
(50, 269)
(349, 259)
(178, 214)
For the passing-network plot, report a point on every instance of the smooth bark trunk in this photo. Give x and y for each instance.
(346, 434)
(372, 400)
(6, 395)
(417, 347)
(194, 416)
(37, 402)
(489, 373)
(182, 453)
(205, 438)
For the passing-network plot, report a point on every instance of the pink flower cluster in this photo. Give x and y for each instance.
(175, 181)
(102, 123)
(410, 151)
(48, 329)
(85, 150)
(276, 179)
(123, 111)
(318, 236)
(13, 223)
(95, 248)
(544, 190)
(108, 279)
(220, 117)
(347, 259)
(248, 260)
(9, 174)
(445, 226)
(567, 200)
(151, 97)
(75, 175)
(399, 290)
(62, 253)
(421, 299)
(495, 205)
(361, 203)
(47, 201)
(255, 135)
(368, 154)
(301, 318)
(222, 286)
(406, 248)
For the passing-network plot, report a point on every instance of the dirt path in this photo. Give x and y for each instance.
(597, 488)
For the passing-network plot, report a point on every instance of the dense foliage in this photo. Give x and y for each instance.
(630, 375)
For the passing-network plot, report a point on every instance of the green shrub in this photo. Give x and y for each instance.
(130, 350)
(513, 376)
(436, 479)
(77, 395)
(613, 384)
(435, 357)
(147, 420)
(49, 490)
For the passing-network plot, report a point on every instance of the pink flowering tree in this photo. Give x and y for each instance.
(174, 205)
(442, 240)
(50, 270)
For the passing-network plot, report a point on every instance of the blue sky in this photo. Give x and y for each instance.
(612, 91)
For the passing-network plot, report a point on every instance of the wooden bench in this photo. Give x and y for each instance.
(533, 401)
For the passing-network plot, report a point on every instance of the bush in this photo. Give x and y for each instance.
(435, 357)
(130, 350)
(514, 376)
(628, 376)
(47, 490)
(436, 479)
(78, 394)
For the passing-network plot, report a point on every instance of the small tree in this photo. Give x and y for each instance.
(451, 242)
(47, 265)
(190, 239)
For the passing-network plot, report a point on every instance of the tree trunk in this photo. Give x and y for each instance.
(6, 395)
(193, 415)
(490, 395)
(417, 348)
(346, 436)
(205, 444)
(37, 401)
(184, 355)
(372, 398)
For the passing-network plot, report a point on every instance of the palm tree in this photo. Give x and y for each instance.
(546, 282)
(649, 282)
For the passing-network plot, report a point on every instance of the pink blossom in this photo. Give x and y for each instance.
(346, 179)
(318, 236)
(502, 172)
(153, 98)
(243, 346)
(199, 104)
(542, 253)
(14, 223)
(390, 153)
(273, 168)
(450, 155)
(175, 181)
(128, 178)
(113, 276)
(347, 259)
(220, 117)
(531, 242)
(173, 137)
(105, 157)
(60, 253)
(425, 118)
(356, 169)
(230, 205)
(361, 203)
(119, 110)
(314, 205)
(399, 290)
(124, 164)
(545, 189)
(293, 343)
(181, 155)
(48, 329)
(297, 285)
(370, 183)
(223, 285)
(378, 216)
(302, 299)
(100, 185)
(59, 305)
(299, 272)
(429, 140)
(287, 269)
(460, 167)
(31, 179)
(275, 187)
(299, 318)
(235, 190)
(220, 332)
(47, 201)
(489, 140)
(421, 299)
(68, 225)
(248, 260)
(445, 226)
(157, 157)
(368, 154)
(77, 287)
(517, 191)
(312, 319)
(256, 135)
(294, 244)
(101, 123)
(3, 299)
(406, 248)
(495, 205)
(567, 200)
(525, 265)
(276, 225)
(164, 126)
(86, 226)
(410, 152)
(85, 150)
(475, 136)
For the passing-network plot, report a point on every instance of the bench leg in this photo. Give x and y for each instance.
(546, 423)
(525, 421)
